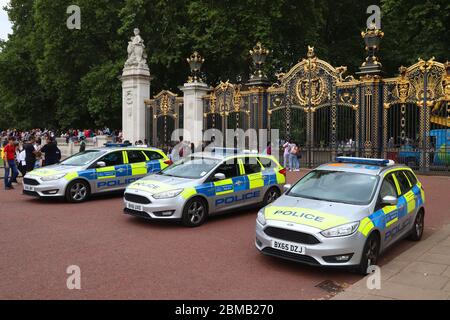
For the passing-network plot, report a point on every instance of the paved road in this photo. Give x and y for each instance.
(124, 257)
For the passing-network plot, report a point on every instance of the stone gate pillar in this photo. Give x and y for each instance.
(193, 92)
(193, 111)
(371, 106)
(135, 90)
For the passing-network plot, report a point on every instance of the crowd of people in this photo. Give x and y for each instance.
(25, 155)
(23, 151)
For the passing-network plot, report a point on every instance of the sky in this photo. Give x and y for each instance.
(5, 24)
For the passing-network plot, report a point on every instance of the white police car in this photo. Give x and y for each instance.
(94, 171)
(343, 214)
(203, 184)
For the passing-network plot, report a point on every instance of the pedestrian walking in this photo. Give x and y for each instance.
(82, 145)
(287, 154)
(9, 153)
(51, 151)
(21, 162)
(294, 160)
(30, 154)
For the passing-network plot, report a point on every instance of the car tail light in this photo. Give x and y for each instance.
(283, 171)
(168, 162)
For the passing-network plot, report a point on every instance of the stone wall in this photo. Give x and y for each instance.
(68, 149)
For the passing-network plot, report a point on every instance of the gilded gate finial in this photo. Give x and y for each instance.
(195, 63)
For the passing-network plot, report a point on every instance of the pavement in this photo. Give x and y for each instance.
(122, 257)
(420, 273)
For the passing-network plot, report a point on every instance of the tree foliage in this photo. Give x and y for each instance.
(53, 76)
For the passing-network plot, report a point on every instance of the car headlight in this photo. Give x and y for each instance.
(261, 218)
(168, 194)
(54, 177)
(342, 230)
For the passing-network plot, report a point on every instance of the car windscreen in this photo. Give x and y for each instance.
(191, 168)
(336, 186)
(82, 158)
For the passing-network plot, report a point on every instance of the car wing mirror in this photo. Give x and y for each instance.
(219, 176)
(101, 164)
(286, 187)
(389, 201)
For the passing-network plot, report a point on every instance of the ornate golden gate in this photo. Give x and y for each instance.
(164, 115)
(405, 118)
(314, 106)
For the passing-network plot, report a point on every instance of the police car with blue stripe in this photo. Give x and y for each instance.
(343, 214)
(93, 171)
(204, 184)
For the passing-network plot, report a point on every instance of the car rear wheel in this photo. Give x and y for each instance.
(194, 213)
(271, 195)
(370, 254)
(417, 230)
(77, 191)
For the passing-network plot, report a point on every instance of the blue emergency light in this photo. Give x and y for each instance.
(375, 162)
(120, 145)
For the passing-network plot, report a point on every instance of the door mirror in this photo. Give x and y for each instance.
(389, 201)
(286, 187)
(101, 164)
(219, 176)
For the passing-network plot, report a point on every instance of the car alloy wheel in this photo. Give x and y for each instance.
(78, 191)
(372, 252)
(196, 212)
(271, 196)
(419, 224)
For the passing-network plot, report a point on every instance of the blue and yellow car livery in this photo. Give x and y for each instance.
(94, 171)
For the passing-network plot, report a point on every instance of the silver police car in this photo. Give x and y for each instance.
(94, 171)
(203, 184)
(343, 214)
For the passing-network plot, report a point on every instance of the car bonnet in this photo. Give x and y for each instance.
(314, 213)
(159, 183)
(52, 170)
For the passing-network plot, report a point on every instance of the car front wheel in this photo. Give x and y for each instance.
(77, 191)
(194, 213)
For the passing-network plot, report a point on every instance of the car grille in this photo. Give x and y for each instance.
(136, 213)
(290, 256)
(30, 193)
(136, 198)
(30, 182)
(290, 235)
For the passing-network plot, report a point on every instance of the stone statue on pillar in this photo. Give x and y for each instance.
(135, 90)
(136, 53)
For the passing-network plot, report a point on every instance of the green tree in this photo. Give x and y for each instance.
(53, 76)
(414, 29)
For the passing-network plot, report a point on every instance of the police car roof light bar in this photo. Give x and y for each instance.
(110, 144)
(376, 162)
(226, 150)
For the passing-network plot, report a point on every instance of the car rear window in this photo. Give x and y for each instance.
(412, 177)
(153, 155)
(403, 181)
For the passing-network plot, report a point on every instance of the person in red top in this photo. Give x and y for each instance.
(9, 152)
